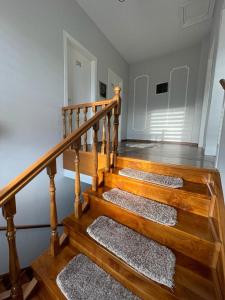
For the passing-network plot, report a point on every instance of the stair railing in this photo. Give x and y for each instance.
(71, 139)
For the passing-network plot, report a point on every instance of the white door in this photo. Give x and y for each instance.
(115, 80)
(79, 77)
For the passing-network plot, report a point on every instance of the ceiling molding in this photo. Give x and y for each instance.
(188, 21)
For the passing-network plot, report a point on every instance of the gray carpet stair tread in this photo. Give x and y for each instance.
(147, 257)
(168, 181)
(146, 208)
(82, 279)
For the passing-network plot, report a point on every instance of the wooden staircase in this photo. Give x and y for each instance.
(194, 239)
(197, 239)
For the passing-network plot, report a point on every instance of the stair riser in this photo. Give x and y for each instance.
(192, 202)
(197, 175)
(200, 250)
(144, 288)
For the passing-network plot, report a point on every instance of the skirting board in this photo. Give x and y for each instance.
(83, 178)
(160, 142)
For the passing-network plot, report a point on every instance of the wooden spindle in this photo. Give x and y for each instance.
(116, 114)
(70, 121)
(77, 202)
(103, 148)
(108, 142)
(9, 210)
(77, 117)
(64, 123)
(54, 240)
(85, 110)
(95, 157)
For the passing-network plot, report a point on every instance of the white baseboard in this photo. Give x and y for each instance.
(83, 178)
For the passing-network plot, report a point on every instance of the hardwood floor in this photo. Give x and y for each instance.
(167, 153)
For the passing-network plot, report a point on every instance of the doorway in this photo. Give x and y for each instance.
(115, 80)
(80, 72)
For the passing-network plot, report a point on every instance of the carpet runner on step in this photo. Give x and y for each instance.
(149, 258)
(82, 279)
(168, 181)
(146, 208)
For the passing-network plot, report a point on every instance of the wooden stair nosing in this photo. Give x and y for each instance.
(103, 257)
(196, 203)
(189, 173)
(198, 248)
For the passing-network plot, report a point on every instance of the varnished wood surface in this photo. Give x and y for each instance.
(191, 236)
(192, 174)
(86, 161)
(47, 267)
(186, 200)
(193, 280)
(24, 178)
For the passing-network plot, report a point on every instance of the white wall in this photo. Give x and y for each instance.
(173, 116)
(215, 95)
(31, 96)
(220, 161)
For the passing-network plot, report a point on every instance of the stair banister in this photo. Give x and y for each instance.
(48, 161)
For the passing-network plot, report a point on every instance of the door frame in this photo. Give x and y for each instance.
(67, 38)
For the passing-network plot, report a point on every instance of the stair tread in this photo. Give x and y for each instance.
(188, 186)
(188, 222)
(187, 269)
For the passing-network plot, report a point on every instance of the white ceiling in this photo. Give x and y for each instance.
(141, 29)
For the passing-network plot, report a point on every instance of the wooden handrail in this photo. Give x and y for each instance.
(88, 104)
(25, 177)
(222, 82)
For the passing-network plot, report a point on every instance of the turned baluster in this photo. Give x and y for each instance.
(116, 114)
(9, 210)
(103, 149)
(77, 117)
(108, 141)
(77, 202)
(64, 123)
(54, 240)
(95, 156)
(85, 134)
(71, 123)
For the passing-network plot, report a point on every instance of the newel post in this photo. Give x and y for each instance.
(9, 210)
(116, 114)
(54, 241)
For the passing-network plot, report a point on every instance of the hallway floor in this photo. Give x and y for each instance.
(167, 153)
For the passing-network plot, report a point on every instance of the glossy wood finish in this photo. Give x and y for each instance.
(116, 113)
(192, 236)
(180, 198)
(95, 157)
(103, 148)
(9, 210)
(85, 110)
(86, 161)
(77, 202)
(192, 279)
(192, 174)
(108, 161)
(54, 241)
(24, 178)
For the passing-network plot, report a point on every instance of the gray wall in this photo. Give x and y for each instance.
(164, 117)
(218, 71)
(31, 95)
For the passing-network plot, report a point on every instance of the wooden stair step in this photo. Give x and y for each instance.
(193, 280)
(187, 198)
(192, 235)
(46, 268)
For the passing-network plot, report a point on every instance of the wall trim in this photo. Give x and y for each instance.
(147, 101)
(160, 142)
(187, 22)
